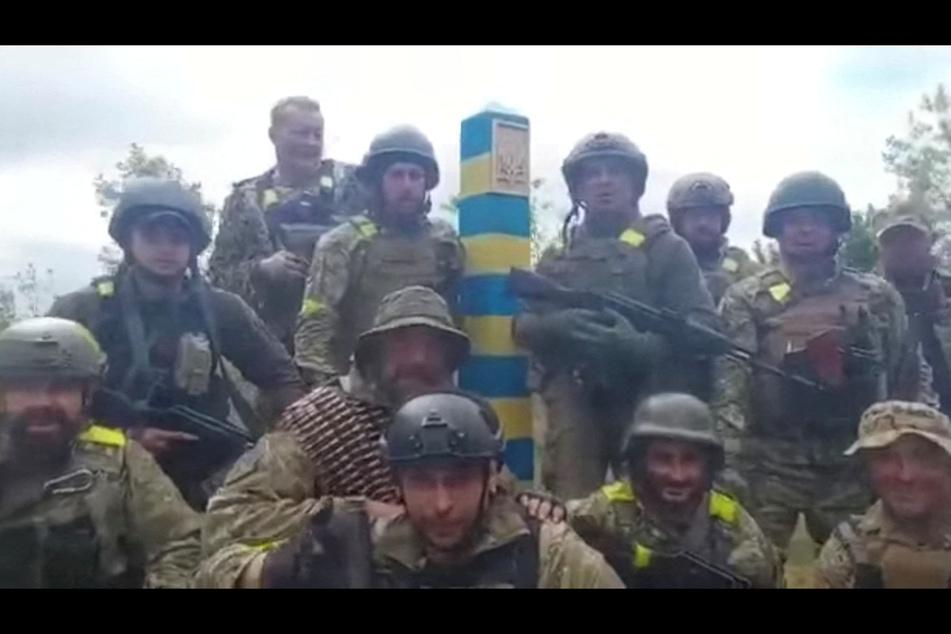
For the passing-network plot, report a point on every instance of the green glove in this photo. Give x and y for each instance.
(611, 338)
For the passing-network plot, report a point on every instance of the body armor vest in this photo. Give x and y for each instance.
(76, 535)
(883, 564)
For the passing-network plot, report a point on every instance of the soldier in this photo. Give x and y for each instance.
(360, 262)
(784, 438)
(904, 539)
(905, 242)
(457, 530)
(699, 209)
(80, 505)
(666, 527)
(166, 332)
(270, 223)
(591, 367)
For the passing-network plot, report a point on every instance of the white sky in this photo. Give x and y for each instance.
(751, 114)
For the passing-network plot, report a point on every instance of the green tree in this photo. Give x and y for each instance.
(860, 249)
(138, 164)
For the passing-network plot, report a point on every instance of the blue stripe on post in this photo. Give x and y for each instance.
(494, 213)
(487, 295)
(496, 377)
(520, 457)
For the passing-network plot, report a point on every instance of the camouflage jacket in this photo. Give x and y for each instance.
(878, 544)
(757, 307)
(244, 238)
(354, 267)
(110, 518)
(268, 498)
(732, 265)
(614, 521)
(648, 262)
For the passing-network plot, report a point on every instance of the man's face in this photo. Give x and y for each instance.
(414, 362)
(912, 476)
(702, 227)
(806, 234)
(162, 247)
(298, 139)
(905, 252)
(444, 501)
(606, 186)
(404, 188)
(676, 472)
(45, 415)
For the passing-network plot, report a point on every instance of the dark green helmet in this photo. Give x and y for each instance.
(49, 348)
(807, 189)
(605, 144)
(674, 416)
(402, 143)
(443, 426)
(701, 189)
(149, 196)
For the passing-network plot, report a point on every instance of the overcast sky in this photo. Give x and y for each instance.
(751, 114)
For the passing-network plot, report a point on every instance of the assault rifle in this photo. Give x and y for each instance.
(686, 570)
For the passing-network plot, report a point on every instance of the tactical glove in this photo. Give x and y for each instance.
(542, 506)
(612, 337)
(333, 551)
(557, 327)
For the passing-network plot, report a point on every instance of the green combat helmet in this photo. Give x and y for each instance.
(700, 189)
(441, 427)
(49, 348)
(412, 306)
(401, 143)
(676, 417)
(807, 189)
(151, 196)
(605, 144)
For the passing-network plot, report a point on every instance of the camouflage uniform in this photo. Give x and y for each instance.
(928, 309)
(246, 237)
(250, 525)
(647, 262)
(788, 447)
(874, 550)
(103, 517)
(359, 263)
(613, 515)
(704, 190)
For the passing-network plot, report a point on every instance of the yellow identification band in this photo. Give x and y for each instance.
(102, 435)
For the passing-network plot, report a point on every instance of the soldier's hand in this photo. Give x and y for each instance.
(283, 266)
(158, 441)
(542, 506)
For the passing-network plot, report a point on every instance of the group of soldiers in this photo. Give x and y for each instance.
(294, 421)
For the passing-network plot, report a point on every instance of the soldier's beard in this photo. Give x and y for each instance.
(41, 436)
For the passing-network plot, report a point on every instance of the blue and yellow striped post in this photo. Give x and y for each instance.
(494, 226)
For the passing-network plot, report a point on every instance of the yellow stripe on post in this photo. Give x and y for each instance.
(516, 416)
(496, 253)
(491, 335)
(475, 175)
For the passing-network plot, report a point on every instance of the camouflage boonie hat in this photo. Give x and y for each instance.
(902, 216)
(884, 423)
(413, 306)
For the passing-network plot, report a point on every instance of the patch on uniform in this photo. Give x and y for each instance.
(730, 265)
(780, 291)
(268, 198)
(632, 237)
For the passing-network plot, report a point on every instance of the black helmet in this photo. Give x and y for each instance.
(149, 196)
(443, 426)
(674, 416)
(402, 143)
(807, 189)
(605, 144)
(701, 189)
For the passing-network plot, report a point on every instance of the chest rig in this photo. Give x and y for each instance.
(786, 322)
(71, 530)
(883, 563)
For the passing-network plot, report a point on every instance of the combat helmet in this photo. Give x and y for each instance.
(443, 426)
(49, 348)
(674, 416)
(807, 189)
(401, 143)
(605, 144)
(700, 189)
(154, 196)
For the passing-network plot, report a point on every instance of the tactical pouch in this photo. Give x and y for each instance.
(684, 571)
(339, 552)
(71, 556)
(194, 364)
